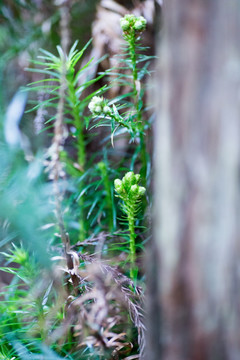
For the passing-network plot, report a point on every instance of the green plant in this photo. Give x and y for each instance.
(25, 307)
(130, 193)
(66, 95)
(128, 115)
(132, 27)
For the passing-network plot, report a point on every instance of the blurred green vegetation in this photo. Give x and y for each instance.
(26, 26)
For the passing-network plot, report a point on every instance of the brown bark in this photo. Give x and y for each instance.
(195, 287)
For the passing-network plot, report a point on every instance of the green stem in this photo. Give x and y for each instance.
(82, 227)
(80, 141)
(132, 50)
(132, 236)
(81, 152)
(78, 124)
(119, 120)
(107, 186)
(143, 154)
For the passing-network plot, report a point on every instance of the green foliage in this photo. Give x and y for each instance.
(60, 71)
(25, 307)
(128, 116)
(61, 215)
(130, 192)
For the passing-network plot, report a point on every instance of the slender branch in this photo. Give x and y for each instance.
(56, 167)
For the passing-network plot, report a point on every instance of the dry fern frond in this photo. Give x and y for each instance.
(99, 315)
(111, 293)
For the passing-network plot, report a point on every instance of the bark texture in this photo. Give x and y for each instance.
(194, 279)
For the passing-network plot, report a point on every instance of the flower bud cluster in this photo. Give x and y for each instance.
(128, 187)
(99, 106)
(131, 22)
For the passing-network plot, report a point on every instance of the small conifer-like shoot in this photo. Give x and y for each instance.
(130, 193)
(74, 102)
(132, 27)
(128, 115)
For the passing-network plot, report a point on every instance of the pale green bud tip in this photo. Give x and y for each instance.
(97, 99)
(106, 110)
(98, 109)
(138, 26)
(129, 178)
(129, 175)
(118, 185)
(130, 21)
(129, 17)
(134, 189)
(141, 190)
(118, 182)
(96, 104)
(137, 177)
(140, 23)
(91, 106)
(124, 24)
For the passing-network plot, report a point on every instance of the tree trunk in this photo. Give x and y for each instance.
(194, 287)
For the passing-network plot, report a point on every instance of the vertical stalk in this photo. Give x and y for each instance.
(81, 144)
(81, 152)
(130, 192)
(81, 155)
(107, 185)
(56, 147)
(56, 172)
(132, 236)
(143, 170)
(132, 50)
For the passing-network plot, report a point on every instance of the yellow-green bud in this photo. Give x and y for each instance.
(137, 178)
(141, 190)
(124, 24)
(91, 106)
(106, 109)
(140, 24)
(134, 189)
(130, 17)
(118, 185)
(98, 109)
(97, 105)
(130, 21)
(129, 178)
